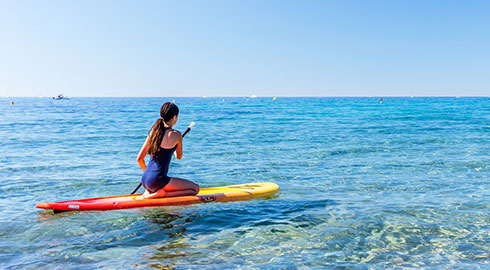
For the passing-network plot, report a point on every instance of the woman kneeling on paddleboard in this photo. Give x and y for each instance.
(161, 143)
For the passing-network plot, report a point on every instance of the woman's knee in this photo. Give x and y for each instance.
(196, 187)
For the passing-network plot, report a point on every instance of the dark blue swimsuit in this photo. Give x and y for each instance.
(155, 176)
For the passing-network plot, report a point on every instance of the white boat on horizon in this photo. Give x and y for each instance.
(60, 96)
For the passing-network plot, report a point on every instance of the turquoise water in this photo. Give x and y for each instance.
(364, 185)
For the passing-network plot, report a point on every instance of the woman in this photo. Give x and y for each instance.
(161, 143)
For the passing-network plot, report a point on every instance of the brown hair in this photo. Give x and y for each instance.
(157, 131)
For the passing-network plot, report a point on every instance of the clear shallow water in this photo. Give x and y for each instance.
(403, 184)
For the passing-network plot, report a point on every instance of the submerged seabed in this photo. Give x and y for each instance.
(364, 185)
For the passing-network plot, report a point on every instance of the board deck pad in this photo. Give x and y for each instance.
(239, 192)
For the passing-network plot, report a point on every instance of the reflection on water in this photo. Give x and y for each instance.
(173, 225)
(47, 215)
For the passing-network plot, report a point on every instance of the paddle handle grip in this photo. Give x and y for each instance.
(188, 129)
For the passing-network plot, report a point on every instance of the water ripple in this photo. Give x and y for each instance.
(399, 185)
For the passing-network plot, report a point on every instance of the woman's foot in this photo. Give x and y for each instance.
(159, 194)
(143, 196)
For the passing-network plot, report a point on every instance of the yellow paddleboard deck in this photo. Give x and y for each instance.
(240, 192)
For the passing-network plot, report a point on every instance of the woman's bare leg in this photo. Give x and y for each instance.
(175, 187)
(180, 187)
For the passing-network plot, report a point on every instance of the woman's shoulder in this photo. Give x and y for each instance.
(172, 138)
(174, 135)
(173, 131)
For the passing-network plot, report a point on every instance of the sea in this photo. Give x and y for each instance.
(364, 184)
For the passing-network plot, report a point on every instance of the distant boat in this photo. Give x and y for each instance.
(253, 96)
(60, 96)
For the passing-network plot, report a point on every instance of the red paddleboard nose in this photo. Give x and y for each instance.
(42, 205)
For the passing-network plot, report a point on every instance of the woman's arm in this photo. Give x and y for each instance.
(142, 154)
(177, 137)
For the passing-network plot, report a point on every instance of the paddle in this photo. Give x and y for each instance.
(185, 132)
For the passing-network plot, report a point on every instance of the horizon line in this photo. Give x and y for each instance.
(204, 97)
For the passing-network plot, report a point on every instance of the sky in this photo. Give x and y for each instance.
(242, 48)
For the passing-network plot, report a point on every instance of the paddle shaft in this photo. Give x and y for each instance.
(139, 185)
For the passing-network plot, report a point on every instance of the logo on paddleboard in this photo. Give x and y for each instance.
(74, 206)
(207, 198)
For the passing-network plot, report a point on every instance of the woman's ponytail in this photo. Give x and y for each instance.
(157, 131)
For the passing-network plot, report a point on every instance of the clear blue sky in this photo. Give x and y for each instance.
(240, 48)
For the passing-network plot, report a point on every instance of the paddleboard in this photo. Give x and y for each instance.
(215, 194)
